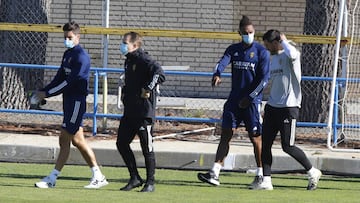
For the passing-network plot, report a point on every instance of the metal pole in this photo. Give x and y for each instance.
(333, 84)
(95, 105)
(344, 48)
(105, 63)
(337, 48)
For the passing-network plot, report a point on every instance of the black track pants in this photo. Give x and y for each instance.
(283, 120)
(128, 128)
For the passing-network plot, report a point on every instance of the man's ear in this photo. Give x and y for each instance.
(78, 38)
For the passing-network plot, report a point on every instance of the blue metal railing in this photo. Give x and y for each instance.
(100, 72)
(97, 72)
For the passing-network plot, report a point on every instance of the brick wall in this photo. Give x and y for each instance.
(199, 54)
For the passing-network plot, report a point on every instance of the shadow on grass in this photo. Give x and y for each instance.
(198, 183)
(20, 176)
(324, 178)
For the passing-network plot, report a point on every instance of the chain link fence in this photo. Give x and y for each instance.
(183, 96)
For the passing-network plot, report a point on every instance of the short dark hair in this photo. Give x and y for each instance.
(245, 21)
(72, 26)
(134, 38)
(272, 35)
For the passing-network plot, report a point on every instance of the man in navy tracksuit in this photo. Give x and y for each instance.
(142, 75)
(72, 80)
(250, 72)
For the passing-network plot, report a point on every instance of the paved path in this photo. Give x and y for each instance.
(174, 154)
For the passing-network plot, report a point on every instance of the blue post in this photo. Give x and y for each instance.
(336, 113)
(96, 87)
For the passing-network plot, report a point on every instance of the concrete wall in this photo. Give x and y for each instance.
(199, 54)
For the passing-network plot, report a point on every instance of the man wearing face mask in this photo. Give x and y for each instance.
(71, 80)
(142, 75)
(250, 72)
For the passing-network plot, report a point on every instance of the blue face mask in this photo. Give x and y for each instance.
(248, 39)
(124, 49)
(69, 44)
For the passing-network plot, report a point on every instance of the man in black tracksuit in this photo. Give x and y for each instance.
(142, 75)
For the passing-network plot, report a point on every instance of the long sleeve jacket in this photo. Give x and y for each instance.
(141, 72)
(249, 70)
(72, 77)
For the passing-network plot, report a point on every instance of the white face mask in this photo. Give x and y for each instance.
(248, 39)
(69, 44)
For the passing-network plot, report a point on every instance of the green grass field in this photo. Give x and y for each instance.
(17, 185)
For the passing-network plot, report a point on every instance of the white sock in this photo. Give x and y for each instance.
(267, 179)
(96, 172)
(311, 171)
(54, 174)
(259, 171)
(216, 168)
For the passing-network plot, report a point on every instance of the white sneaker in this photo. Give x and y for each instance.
(46, 183)
(264, 186)
(97, 183)
(314, 180)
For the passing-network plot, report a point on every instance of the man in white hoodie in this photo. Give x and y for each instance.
(282, 108)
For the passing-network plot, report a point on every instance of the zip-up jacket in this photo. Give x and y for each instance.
(72, 77)
(249, 70)
(141, 72)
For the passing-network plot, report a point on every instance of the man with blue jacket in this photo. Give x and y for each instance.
(71, 80)
(249, 74)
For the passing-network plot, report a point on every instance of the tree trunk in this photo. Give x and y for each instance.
(317, 59)
(21, 47)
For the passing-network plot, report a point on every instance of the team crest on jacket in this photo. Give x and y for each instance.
(252, 54)
(69, 60)
(134, 67)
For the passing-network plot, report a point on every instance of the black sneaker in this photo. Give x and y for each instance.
(148, 188)
(133, 183)
(257, 181)
(209, 177)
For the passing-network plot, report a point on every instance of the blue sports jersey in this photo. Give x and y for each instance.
(72, 78)
(249, 70)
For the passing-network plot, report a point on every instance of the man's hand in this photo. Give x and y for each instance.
(215, 81)
(145, 94)
(283, 37)
(37, 99)
(244, 102)
(40, 95)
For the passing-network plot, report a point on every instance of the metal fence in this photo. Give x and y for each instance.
(169, 108)
(186, 92)
(315, 18)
